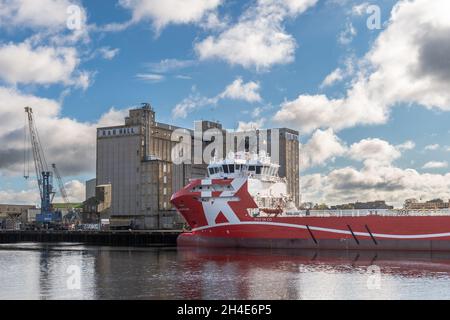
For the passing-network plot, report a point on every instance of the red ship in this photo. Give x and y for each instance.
(243, 203)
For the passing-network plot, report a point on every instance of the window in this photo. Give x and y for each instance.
(258, 169)
(225, 168)
(251, 168)
(231, 168)
(211, 170)
(238, 167)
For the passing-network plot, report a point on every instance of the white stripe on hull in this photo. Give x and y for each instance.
(304, 227)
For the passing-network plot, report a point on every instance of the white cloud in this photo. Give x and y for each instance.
(435, 165)
(378, 178)
(432, 147)
(67, 142)
(371, 183)
(408, 145)
(332, 78)
(151, 77)
(60, 22)
(160, 70)
(168, 65)
(25, 197)
(375, 150)
(256, 112)
(163, 13)
(76, 191)
(416, 36)
(251, 125)
(113, 117)
(238, 90)
(339, 74)
(30, 196)
(50, 14)
(323, 146)
(183, 77)
(108, 53)
(308, 113)
(360, 9)
(22, 63)
(192, 103)
(258, 39)
(347, 35)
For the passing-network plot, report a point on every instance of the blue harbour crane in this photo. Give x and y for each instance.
(44, 176)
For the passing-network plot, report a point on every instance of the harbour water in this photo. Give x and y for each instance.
(75, 271)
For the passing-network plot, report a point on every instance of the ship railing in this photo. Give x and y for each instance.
(369, 212)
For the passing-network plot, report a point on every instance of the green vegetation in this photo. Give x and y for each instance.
(70, 205)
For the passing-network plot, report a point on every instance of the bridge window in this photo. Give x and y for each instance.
(231, 168)
(258, 169)
(225, 168)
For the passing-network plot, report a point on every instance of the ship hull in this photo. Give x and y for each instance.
(333, 233)
(193, 240)
(224, 219)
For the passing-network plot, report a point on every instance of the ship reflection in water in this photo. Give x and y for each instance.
(37, 271)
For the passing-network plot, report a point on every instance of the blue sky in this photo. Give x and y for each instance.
(389, 139)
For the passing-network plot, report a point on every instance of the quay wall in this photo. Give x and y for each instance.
(107, 238)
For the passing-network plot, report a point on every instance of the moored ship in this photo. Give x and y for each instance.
(244, 203)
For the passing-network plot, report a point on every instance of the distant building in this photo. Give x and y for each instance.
(8, 210)
(90, 188)
(136, 160)
(373, 205)
(11, 215)
(414, 204)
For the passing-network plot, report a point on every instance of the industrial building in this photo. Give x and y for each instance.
(135, 160)
(436, 204)
(12, 215)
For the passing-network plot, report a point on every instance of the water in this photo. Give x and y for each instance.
(40, 271)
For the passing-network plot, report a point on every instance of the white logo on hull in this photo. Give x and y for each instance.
(213, 208)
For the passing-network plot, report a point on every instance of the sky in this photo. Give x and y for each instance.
(365, 83)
